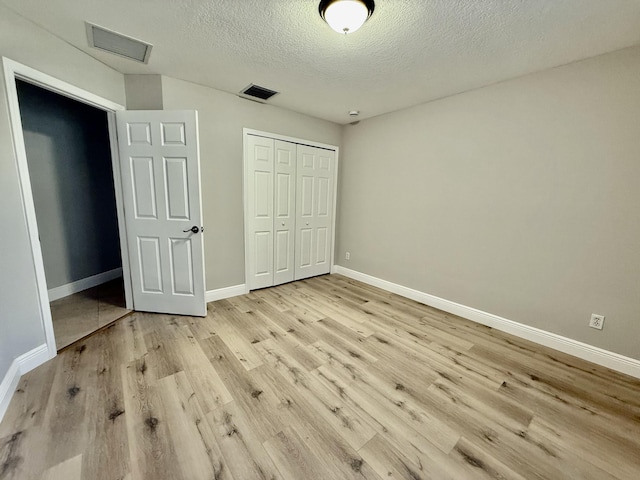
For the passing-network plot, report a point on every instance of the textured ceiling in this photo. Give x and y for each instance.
(409, 52)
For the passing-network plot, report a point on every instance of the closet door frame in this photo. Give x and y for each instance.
(246, 132)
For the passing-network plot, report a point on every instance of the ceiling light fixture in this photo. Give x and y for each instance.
(346, 16)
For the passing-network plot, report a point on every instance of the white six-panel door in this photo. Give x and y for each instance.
(284, 215)
(314, 211)
(161, 187)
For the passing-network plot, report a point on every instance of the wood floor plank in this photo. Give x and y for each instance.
(480, 464)
(73, 395)
(338, 458)
(200, 327)
(354, 287)
(209, 388)
(238, 342)
(587, 433)
(27, 407)
(395, 430)
(152, 453)
(569, 412)
(343, 339)
(68, 470)
(296, 325)
(390, 463)
(390, 400)
(324, 378)
(164, 358)
(257, 400)
(321, 400)
(555, 378)
(392, 348)
(244, 453)
(410, 328)
(503, 439)
(107, 447)
(249, 327)
(293, 458)
(195, 445)
(240, 303)
(582, 462)
(130, 334)
(305, 357)
(348, 316)
(328, 287)
(272, 298)
(12, 460)
(286, 296)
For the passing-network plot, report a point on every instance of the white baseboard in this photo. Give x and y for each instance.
(227, 292)
(33, 358)
(83, 284)
(8, 386)
(615, 361)
(21, 365)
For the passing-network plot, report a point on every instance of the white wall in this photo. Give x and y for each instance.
(520, 199)
(21, 327)
(222, 116)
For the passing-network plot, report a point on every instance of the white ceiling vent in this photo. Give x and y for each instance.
(118, 44)
(257, 93)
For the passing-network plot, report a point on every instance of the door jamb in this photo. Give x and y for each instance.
(245, 189)
(12, 71)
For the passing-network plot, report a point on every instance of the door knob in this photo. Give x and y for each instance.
(283, 224)
(193, 229)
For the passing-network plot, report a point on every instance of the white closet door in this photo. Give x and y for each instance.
(284, 214)
(314, 210)
(260, 211)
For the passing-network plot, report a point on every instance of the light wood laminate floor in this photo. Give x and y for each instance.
(78, 315)
(325, 379)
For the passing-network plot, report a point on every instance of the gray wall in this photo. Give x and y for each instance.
(69, 159)
(519, 199)
(21, 328)
(222, 117)
(144, 92)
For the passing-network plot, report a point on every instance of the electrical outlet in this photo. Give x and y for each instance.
(597, 321)
(347, 256)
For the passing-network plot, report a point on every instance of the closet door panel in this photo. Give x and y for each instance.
(324, 211)
(263, 258)
(306, 209)
(261, 216)
(304, 255)
(322, 244)
(314, 211)
(285, 205)
(324, 202)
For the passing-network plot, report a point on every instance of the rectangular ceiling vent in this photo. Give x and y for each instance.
(256, 92)
(118, 44)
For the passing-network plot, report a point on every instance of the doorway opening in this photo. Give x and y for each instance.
(70, 169)
(14, 71)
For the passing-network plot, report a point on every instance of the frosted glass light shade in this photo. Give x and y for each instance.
(346, 16)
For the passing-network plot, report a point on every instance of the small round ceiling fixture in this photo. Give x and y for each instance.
(346, 16)
(354, 113)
